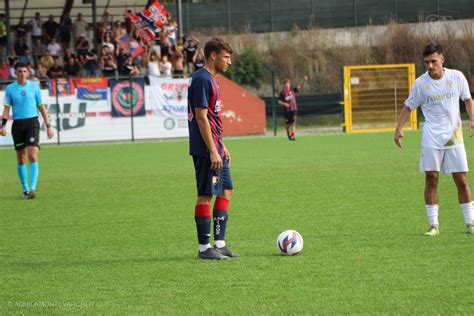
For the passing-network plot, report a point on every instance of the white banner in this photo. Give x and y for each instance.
(170, 97)
(89, 121)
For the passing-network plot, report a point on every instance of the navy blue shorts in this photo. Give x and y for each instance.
(211, 182)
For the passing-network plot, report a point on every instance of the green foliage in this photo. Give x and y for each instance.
(249, 68)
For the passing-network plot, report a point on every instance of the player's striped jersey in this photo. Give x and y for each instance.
(439, 101)
(204, 93)
(289, 97)
(24, 99)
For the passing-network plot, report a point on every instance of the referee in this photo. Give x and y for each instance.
(24, 97)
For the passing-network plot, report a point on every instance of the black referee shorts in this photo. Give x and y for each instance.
(25, 133)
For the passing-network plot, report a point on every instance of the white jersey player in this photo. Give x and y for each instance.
(438, 92)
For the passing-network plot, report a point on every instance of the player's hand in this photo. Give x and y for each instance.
(398, 136)
(216, 161)
(50, 132)
(3, 131)
(305, 78)
(227, 155)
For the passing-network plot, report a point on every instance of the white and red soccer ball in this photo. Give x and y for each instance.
(290, 243)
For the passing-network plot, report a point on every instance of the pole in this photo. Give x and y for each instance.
(271, 15)
(58, 125)
(130, 99)
(179, 10)
(228, 16)
(355, 12)
(7, 24)
(273, 104)
(94, 24)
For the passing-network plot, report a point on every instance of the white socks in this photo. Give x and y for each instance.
(432, 213)
(467, 212)
(204, 247)
(220, 243)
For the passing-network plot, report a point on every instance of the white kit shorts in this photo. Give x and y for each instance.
(450, 160)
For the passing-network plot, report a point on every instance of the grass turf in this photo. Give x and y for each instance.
(112, 231)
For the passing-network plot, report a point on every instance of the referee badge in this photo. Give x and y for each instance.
(215, 180)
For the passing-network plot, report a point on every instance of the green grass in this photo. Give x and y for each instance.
(112, 232)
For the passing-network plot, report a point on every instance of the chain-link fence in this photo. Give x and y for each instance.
(283, 15)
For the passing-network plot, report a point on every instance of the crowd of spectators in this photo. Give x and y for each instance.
(63, 49)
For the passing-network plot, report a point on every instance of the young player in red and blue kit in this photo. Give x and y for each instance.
(210, 156)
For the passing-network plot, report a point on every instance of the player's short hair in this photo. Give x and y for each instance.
(432, 48)
(216, 45)
(20, 65)
(287, 80)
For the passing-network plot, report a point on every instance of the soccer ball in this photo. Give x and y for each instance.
(290, 243)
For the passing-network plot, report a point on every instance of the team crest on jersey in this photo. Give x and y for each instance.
(450, 83)
(218, 106)
(427, 87)
(215, 180)
(23, 93)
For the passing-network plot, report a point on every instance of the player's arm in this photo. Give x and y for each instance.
(285, 104)
(301, 85)
(6, 114)
(404, 116)
(205, 130)
(469, 103)
(44, 115)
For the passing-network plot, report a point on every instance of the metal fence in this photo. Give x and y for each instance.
(283, 15)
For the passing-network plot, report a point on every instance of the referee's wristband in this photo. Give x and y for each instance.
(4, 122)
(48, 125)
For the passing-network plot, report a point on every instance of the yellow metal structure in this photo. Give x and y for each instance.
(374, 96)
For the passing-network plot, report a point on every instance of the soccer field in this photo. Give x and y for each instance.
(112, 232)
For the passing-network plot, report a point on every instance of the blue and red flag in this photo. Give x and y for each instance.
(150, 21)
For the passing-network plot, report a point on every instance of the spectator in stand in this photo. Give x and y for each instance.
(56, 71)
(177, 61)
(3, 33)
(21, 29)
(119, 31)
(79, 28)
(26, 58)
(71, 68)
(65, 27)
(32, 74)
(129, 25)
(41, 72)
(54, 48)
(51, 29)
(47, 60)
(121, 59)
(82, 48)
(172, 28)
(36, 26)
(38, 51)
(199, 61)
(68, 54)
(180, 44)
(108, 65)
(129, 68)
(164, 42)
(165, 66)
(105, 26)
(107, 41)
(12, 57)
(12, 68)
(4, 73)
(20, 47)
(91, 64)
(191, 47)
(153, 63)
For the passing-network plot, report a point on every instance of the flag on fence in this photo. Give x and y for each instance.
(127, 96)
(149, 21)
(131, 45)
(92, 88)
(64, 87)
